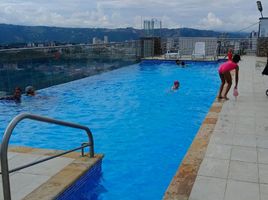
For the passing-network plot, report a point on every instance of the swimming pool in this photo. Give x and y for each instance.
(142, 127)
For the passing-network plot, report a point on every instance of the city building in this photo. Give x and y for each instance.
(106, 40)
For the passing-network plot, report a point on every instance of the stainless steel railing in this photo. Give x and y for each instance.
(8, 132)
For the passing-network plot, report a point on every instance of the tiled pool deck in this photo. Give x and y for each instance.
(48, 179)
(228, 160)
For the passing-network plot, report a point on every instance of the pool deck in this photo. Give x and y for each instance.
(48, 179)
(183, 58)
(228, 159)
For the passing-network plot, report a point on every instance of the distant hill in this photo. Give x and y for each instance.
(23, 34)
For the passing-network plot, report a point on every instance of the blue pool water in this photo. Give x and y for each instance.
(142, 127)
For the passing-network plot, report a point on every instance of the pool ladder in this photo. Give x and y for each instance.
(5, 141)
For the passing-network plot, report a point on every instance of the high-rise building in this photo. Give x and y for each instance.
(105, 40)
(150, 26)
(95, 40)
(253, 40)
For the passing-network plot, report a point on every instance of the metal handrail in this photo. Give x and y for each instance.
(4, 146)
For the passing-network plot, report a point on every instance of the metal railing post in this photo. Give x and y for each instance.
(8, 132)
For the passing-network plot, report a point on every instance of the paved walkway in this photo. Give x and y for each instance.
(236, 162)
(25, 181)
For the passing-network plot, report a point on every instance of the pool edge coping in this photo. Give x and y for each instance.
(182, 183)
(62, 180)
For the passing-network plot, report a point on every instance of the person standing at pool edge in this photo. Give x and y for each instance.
(225, 75)
(230, 54)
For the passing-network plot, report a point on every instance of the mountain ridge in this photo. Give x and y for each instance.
(10, 33)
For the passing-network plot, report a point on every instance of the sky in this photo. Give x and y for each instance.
(220, 15)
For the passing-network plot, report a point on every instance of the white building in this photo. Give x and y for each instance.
(170, 43)
(105, 40)
(30, 44)
(253, 40)
(95, 40)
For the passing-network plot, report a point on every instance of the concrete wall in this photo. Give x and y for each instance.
(262, 46)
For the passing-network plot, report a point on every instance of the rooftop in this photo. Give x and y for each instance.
(228, 160)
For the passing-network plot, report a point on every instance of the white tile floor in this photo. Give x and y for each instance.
(236, 162)
(25, 181)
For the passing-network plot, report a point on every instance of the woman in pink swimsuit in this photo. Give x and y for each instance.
(225, 75)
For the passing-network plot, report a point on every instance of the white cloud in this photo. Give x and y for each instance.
(203, 14)
(210, 22)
